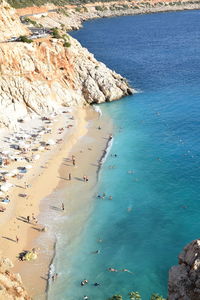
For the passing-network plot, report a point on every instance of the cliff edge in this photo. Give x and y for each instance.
(47, 74)
(10, 24)
(184, 279)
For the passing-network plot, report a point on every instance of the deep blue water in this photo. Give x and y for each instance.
(155, 182)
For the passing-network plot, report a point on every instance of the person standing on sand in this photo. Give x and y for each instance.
(73, 162)
(70, 177)
(17, 239)
(84, 178)
(28, 219)
(63, 207)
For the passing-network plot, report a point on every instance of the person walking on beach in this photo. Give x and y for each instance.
(17, 239)
(63, 207)
(73, 161)
(84, 178)
(70, 177)
(34, 218)
(28, 219)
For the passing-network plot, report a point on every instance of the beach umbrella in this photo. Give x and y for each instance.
(24, 145)
(29, 167)
(41, 148)
(37, 156)
(13, 172)
(6, 186)
(50, 142)
(6, 152)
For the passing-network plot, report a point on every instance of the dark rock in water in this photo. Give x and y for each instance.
(184, 279)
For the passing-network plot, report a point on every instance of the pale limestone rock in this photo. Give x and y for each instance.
(45, 76)
(11, 287)
(10, 24)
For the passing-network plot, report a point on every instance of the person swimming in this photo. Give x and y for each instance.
(96, 284)
(112, 270)
(85, 281)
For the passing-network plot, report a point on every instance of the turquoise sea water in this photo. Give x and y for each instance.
(155, 178)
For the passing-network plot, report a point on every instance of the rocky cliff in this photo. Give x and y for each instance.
(10, 24)
(43, 76)
(184, 279)
(11, 287)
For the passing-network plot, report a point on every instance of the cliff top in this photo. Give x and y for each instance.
(31, 3)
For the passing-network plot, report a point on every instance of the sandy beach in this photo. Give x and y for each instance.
(81, 133)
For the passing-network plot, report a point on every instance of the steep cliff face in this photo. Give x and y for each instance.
(43, 76)
(10, 24)
(11, 287)
(184, 279)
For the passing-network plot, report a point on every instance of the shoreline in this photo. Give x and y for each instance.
(32, 235)
(81, 210)
(76, 15)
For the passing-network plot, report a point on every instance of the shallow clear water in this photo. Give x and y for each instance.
(154, 180)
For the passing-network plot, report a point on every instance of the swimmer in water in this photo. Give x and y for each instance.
(126, 270)
(96, 252)
(96, 284)
(112, 270)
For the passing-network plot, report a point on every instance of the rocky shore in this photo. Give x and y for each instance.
(184, 279)
(71, 17)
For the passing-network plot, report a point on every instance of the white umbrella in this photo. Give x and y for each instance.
(41, 148)
(29, 167)
(6, 186)
(23, 145)
(51, 142)
(5, 152)
(37, 156)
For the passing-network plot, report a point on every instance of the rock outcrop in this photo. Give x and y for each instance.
(43, 76)
(11, 287)
(184, 279)
(10, 24)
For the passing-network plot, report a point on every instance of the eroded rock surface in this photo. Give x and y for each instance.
(184, 279)
(11, 287)
(43, 76)
(10, 24)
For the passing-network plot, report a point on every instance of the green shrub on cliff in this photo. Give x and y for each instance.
(55, 33)
(66, 44)
(25, 39)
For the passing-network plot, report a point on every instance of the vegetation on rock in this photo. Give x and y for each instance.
(25, 39)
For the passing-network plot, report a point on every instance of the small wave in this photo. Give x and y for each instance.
(105, 154)
(98, 110)
(52, 268)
